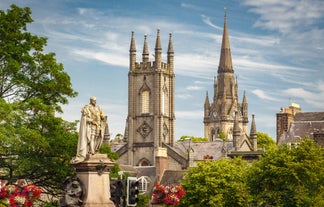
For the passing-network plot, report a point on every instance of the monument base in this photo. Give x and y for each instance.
(94, 175)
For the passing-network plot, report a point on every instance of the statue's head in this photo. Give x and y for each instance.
(93, 100)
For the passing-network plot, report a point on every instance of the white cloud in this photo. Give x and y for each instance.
(314, 98)
(109, 58)
(261, 94)
(207, 21)
(191, 6)
(183, 96)
(285, 16)
(194, 88)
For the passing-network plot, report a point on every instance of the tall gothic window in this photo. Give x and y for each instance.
(164, 101)
(145, 102)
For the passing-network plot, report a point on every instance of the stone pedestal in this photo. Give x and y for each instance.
(94, 175)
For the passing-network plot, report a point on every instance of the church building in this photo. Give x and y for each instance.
(220, 114)
(150, 145)
(150, 121)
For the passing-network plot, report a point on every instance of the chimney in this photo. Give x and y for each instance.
(161, 163)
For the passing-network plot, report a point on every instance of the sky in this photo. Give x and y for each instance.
(277, 52)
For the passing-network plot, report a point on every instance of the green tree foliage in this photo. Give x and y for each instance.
(34, 143)
(192, 138)
(264, 140)
(289, 176)
(105, 148)
(217, 183)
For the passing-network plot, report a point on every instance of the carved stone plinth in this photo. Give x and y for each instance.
(94, 175)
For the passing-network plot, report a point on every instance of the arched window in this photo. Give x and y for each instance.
(164, 101)
(145, 96)
(144, 162)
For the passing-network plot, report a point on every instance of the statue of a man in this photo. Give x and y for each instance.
(92, 129)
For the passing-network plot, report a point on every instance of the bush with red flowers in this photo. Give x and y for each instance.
(168, 195)
(17, 196)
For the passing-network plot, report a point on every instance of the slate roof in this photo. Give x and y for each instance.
(217, 149)
(309, 116)
(172, 177)
(304, 125)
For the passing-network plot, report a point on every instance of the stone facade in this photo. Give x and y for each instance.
(284, 119)
(220, 113)
(293, 124)
(151, 119)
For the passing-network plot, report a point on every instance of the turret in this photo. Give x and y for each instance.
(207, 105)
(132, 53)
(158, 51)
(145, 54)
(236, 132)
(170, 54)
(245, 109)
(253, 135)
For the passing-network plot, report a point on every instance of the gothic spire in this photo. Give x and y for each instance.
(253, 135)
(225, 61)
(132, 53)
(170, 53)
(207, 104)
(158, 51)
(253, 131)
(170, 47)
(244, 99)
(145, 54)
(236, 132)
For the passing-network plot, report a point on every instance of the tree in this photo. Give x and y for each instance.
(113, 156)
(217, 183)
(34, 143)
(264, 140)
(192, 138)
(289, 176)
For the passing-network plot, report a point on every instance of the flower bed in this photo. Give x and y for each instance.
(168, 195)
(17, 196)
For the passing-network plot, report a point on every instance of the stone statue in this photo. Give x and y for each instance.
(92, 128)
(73, 193)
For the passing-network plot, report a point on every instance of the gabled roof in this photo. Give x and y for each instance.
(301, 129)
(217, 149)
(170, 177)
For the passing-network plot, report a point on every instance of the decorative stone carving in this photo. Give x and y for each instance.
(144, 129)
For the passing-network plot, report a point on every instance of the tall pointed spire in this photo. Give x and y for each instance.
(225, 61)
(158, 51)
(236, 132)
(253, 131)
(132, 53)
(207, 104)
(253, 134)
(170, 46)
(170, 53)
(145, 54)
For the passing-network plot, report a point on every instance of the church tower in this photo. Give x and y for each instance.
(219, 115)
(150, 121)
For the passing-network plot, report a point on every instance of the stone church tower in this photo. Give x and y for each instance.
(150, 121)
(219, 115)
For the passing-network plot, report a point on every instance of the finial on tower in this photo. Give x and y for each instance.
(225, 10)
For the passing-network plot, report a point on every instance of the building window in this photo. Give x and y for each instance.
(164, 101)
(145, 102)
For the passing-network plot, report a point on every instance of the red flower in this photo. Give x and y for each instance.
(20, 195)
(169, 195)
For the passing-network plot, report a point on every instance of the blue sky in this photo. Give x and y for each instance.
(277, 51)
